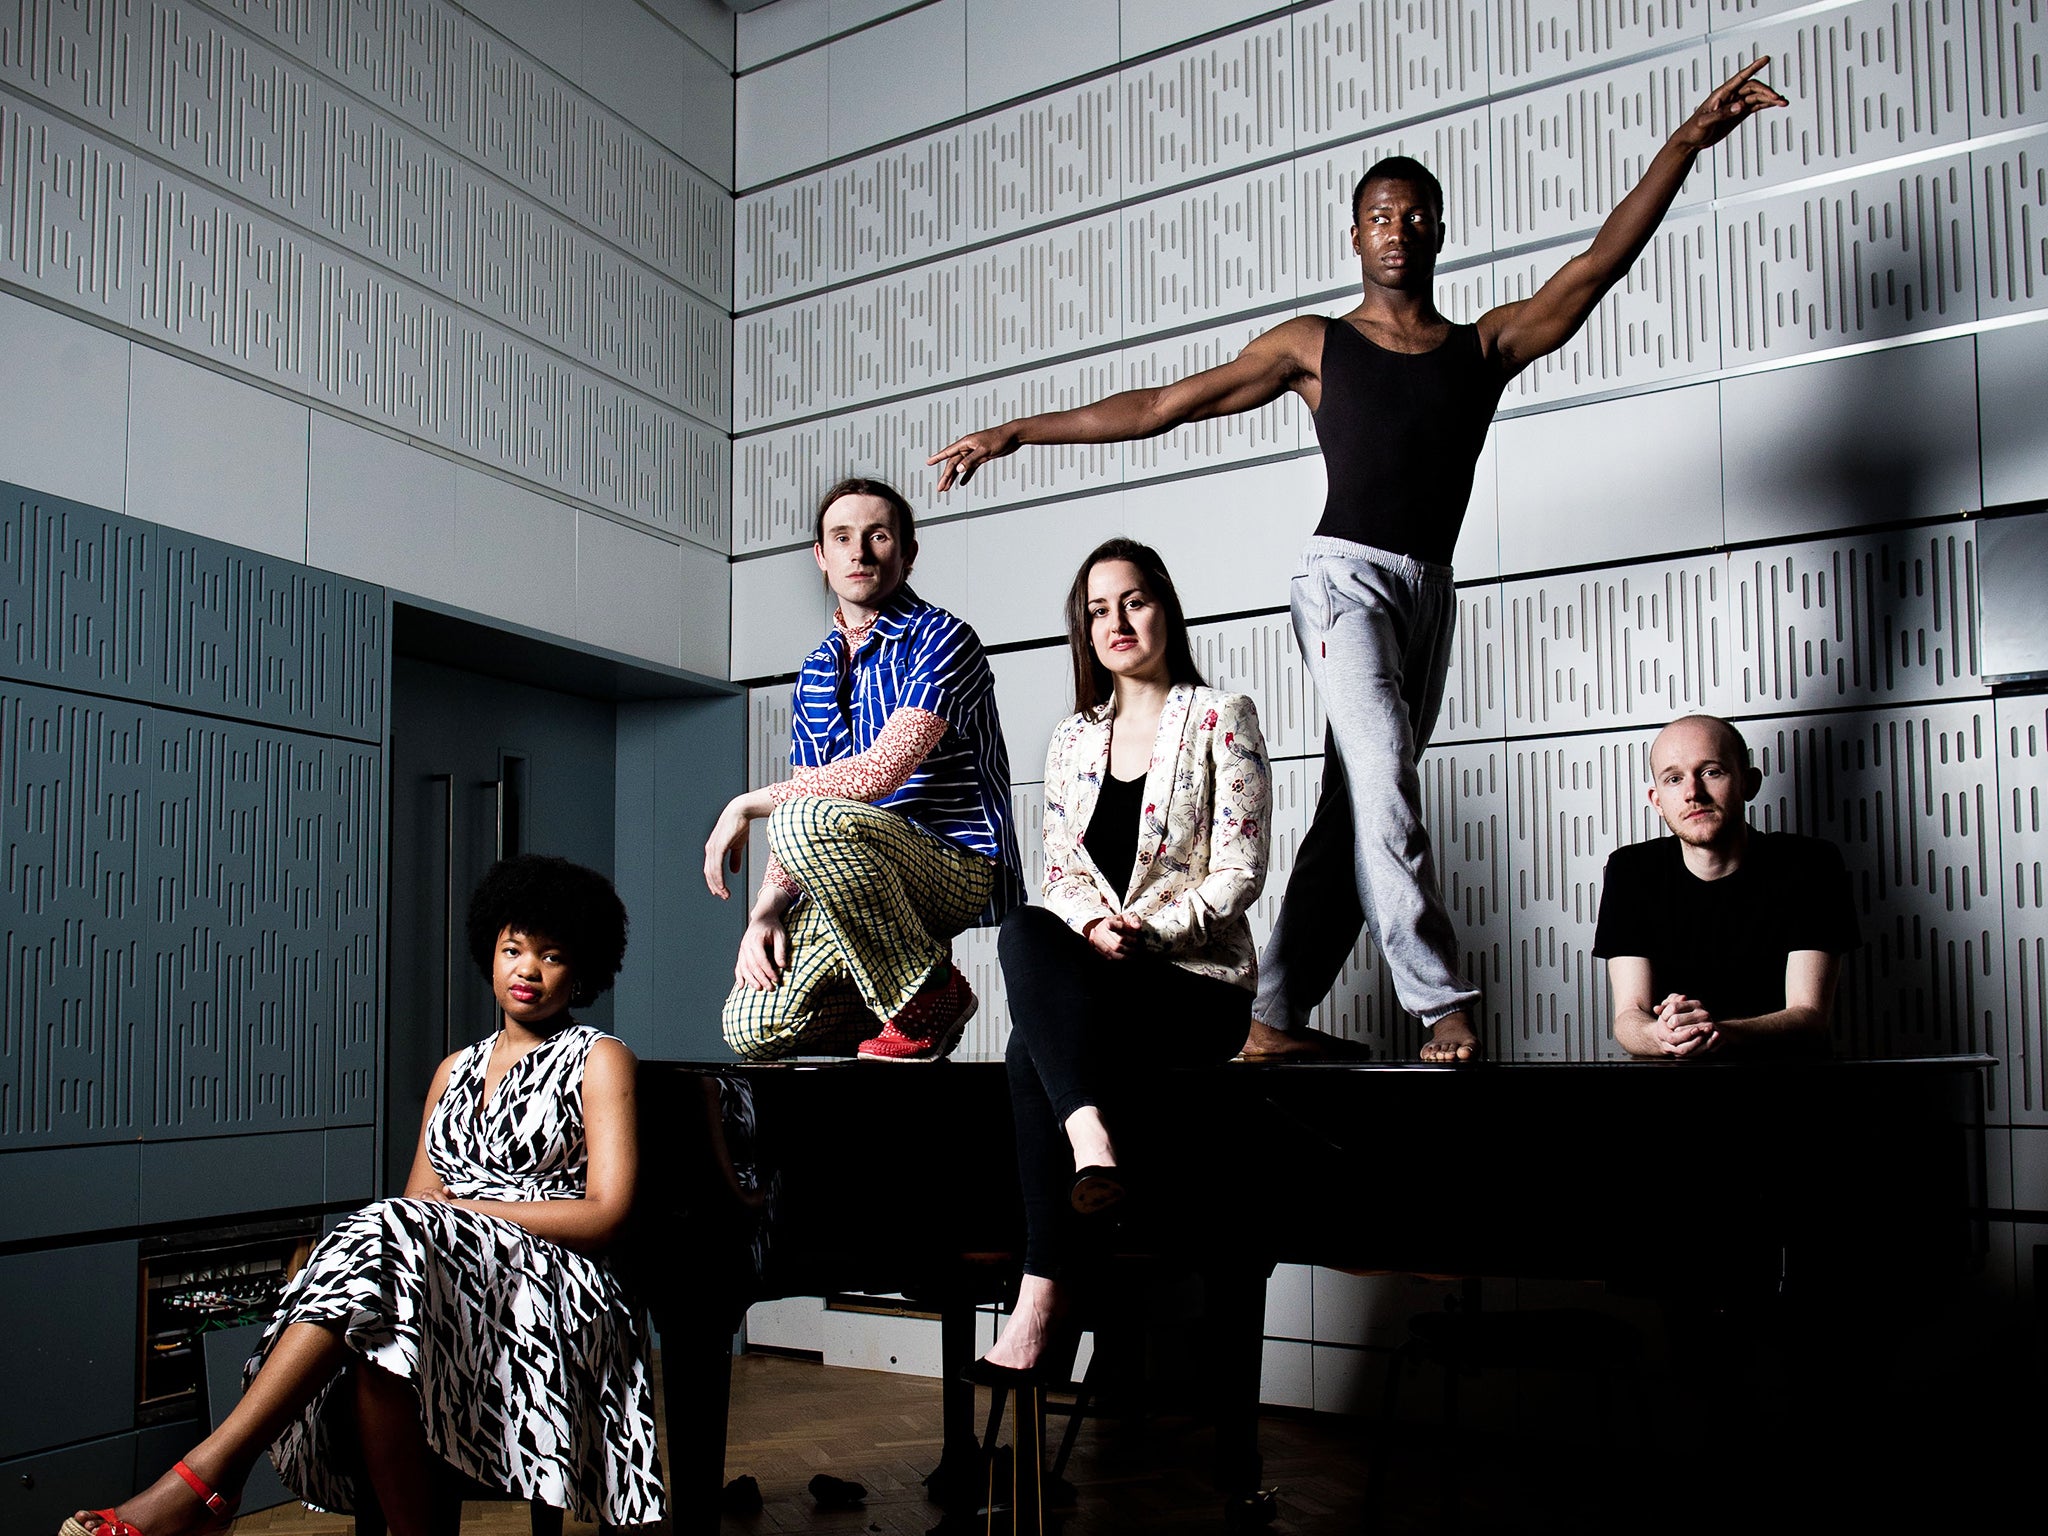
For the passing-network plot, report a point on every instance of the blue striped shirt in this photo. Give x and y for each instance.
(920, 657)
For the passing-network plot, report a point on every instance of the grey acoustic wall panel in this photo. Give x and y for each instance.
(784, 241)
(1277, 428)
(1259, 658)
(1536, 40)
(903, 205)
(1457, 149)
(1633, 646)
(76, 606)
(75, 1017)
(2012, 380)
(1564, 155)
(1474, 702)
(1880, 256)
(776, 479)
(1210, 252)
(1203, 110)
(1361, 63)
(898, 78)
(2008, 76)
(1660, 322)
(1034, 692)
(2012, 226)
(69, 212)
(1908, 795)
(1866, 81)
(1571, 802)
(1040, 471)
(1883, 619)
(1051, 158)
(2022, 725)
(768, 721)
(1044, 294)
(782, 362)
(891, 442)
(897, 334)
(1295, 781)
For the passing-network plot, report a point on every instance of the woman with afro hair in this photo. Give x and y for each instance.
(472, 1320)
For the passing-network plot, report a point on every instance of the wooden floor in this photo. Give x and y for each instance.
(792, 1419)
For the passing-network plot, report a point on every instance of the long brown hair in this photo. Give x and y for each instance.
(1092, 682)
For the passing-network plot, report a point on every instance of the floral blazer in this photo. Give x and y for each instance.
(1202, 848)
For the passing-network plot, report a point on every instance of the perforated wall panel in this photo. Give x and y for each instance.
(904, 205)
(1881, 619)
(1457, 151)
(1051, 158)
(782, 360)
(1211, 252)
(1473, 706)
(2023, 827)
(1259, 658)
(1535, 40)
(2012, 226)
(1908, 795)
(1634, 646)
(1206, 109)
(1564, 155)
(897, 334)
(2008, 74)
(75, 1014)
(1044, 294)
(1883, 255)
(1866, 81)
(1042, 471)
(1657, 323)
(1362, 63)
(784, 240)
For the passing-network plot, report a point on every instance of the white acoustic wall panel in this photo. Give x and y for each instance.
(1034, 472)
(888, 443)
(2012, 226)
(771, 31)
(1619, 479)
(1881, 619)
(1628, 646)
(1277, 428)
(784, 241)
(1536, 40)
(1258, 657)
(70, 210)
(780, 126)
(1049, 158)
(629, 590)
(1207, 109)
(1866, 81)
(1571, 802)
(897, 334)
(2023, 829)
(1294, 794)
(2012, 380)
(777, 478)
(1149, 25)
(1879, 256)
(768, 717)
(506, 533)
(905, 204)
(1457, 150)
(1909, 797)
(895, 79)
(1564, 155)
(1474, 705)
(1478, 553)
(779, 612)
(1034, 692)
(1019, 47)
(1233, 540)
(1876, 438)
(1659, 322)
(64, 395)
(781, 363)
(2008, 75)
(988, 1032)
(1213, 251)
(1044, 294)
(428, 64)
(1361, 63)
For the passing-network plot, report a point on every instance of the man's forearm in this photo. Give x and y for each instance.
(1627, 230)
(1786, 1021)
(1632, 1032)
(1118, 418)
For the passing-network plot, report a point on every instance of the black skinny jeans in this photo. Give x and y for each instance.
(1083, 1030)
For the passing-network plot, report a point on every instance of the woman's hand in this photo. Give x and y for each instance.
(1115, 937)
(728, 840)
(764, 951)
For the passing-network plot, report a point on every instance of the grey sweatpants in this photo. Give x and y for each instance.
(1375, 629)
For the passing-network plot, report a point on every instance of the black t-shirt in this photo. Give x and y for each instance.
(1725, 941)
(1113, 830)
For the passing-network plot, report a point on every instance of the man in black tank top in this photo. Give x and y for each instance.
(1402, 400)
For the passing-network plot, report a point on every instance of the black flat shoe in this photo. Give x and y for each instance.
(1097, 1188)
(985, 1373)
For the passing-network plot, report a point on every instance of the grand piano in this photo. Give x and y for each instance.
(1690, 1180)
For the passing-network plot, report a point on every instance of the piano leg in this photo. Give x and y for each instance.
(696, 1394)
(1237, 1311)
(957, 1479)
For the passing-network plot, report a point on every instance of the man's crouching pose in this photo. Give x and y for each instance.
(892, 832)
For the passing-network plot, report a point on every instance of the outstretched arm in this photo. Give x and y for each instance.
(1520, 333)
(1274, 363)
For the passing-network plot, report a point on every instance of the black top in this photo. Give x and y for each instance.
(1401, 434)
(1112, 836)
(1725, 941)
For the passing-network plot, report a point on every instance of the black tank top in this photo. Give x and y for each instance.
(1401, 434)
(1113, 829)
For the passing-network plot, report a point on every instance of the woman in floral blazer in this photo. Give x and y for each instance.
(1157, 798)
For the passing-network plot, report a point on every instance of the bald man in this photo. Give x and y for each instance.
(1720, 938)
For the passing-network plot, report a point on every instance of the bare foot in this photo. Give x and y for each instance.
(1266, 1043)
(1451, 1039)
(1024, 1335)
(167, 1507)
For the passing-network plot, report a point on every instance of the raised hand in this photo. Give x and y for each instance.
(963, 457)
(1740, 96)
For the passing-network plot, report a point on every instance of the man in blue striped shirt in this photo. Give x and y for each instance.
(893, 831)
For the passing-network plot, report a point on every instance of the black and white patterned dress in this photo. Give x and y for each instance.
(530, 1363)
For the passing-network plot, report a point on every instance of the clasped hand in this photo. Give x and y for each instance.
(1683, 1027)
(1116, 937)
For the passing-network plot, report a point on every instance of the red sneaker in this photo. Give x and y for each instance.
(930, 1025)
